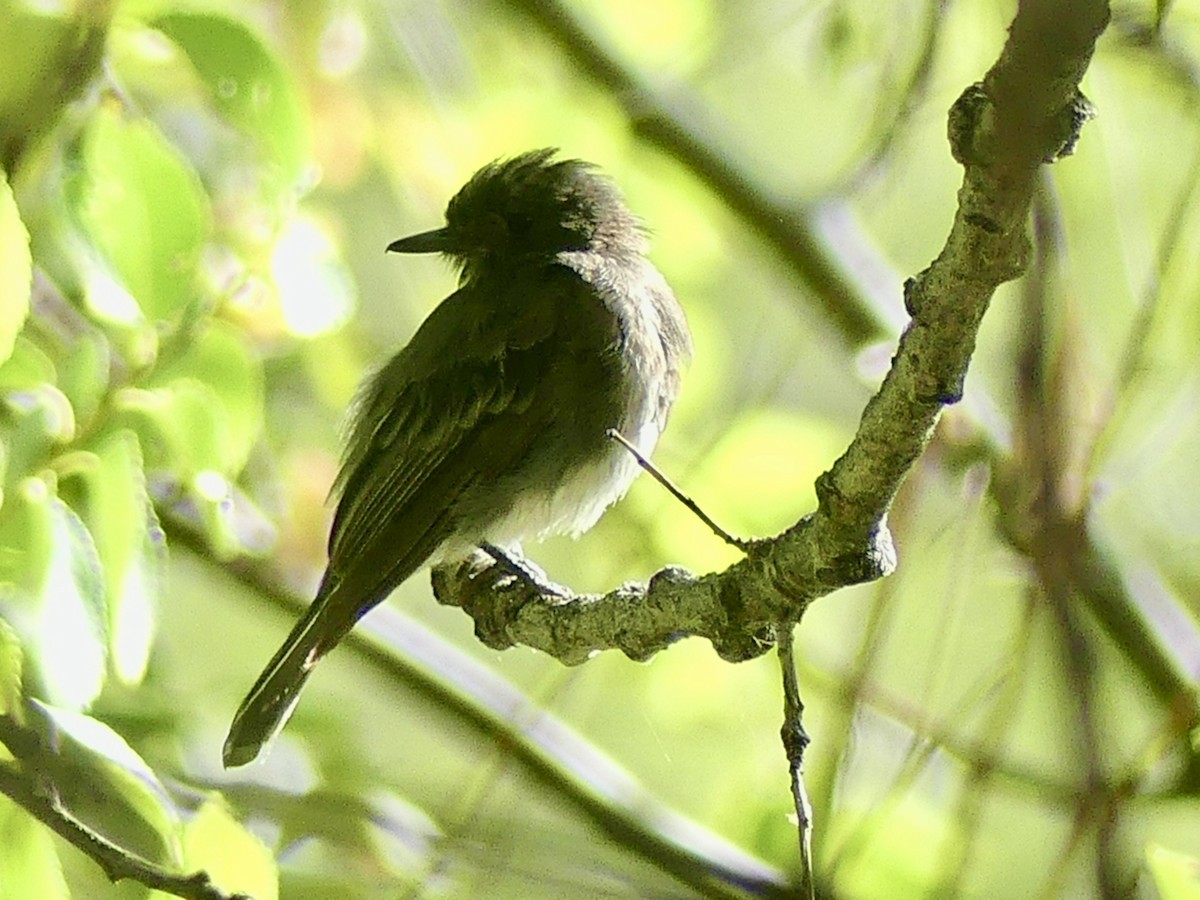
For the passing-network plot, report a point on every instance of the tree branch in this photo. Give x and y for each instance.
(1025, 112)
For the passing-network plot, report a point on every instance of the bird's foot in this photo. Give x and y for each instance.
(513, 566)
(491, 586)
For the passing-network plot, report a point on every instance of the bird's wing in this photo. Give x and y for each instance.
(471, 412)
(453, 409)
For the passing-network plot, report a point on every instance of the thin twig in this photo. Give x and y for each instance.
(795, 740)
(679, 495)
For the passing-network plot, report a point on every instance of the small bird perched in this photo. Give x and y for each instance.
(491, 425)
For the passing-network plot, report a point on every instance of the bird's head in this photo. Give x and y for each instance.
(527, 208)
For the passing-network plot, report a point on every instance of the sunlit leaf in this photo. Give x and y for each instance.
(180, 425)
(232, 521)
(37, 414)
(37, 39)
(236, 861)
(84, 374)
(56, 598)
(1176, 875)
(50, 406)
(128, 796)
(142, 205)
(10, 668)
(220, 359)
(16, 269)
(201, 411)
(25, 541)
(29, 864)
(70, 646)
(28, 39)
(116, 507)
(26, 366)
(248, 85)
(132, 616)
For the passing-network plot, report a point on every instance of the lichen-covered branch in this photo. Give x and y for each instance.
(1025, 112)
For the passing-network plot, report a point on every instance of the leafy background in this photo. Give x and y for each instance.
(194, 206)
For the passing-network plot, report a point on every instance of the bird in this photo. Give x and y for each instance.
(492, 425)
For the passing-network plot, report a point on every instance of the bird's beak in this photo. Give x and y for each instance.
(437, 241)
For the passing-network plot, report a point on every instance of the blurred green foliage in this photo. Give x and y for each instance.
(194, 202)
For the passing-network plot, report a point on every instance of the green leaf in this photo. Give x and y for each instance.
(25, 542)
(141, 204)
(29, 864)
(84, 374)
(54, 415)
(16, 270)
(37, 414)
(49, 52)
(116, 791)
(10, 669)
(1176, 875)
(55, 599)
(180, 425)
(26, 366)
(249, 87)
(220, 359)
(235, 860)
(117, 510)
(201, 412)
(233, 523)
(27, 40)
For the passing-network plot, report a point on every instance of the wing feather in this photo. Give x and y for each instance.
(453, 410)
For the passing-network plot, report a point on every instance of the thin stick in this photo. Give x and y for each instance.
(795, 740)
(679, 495)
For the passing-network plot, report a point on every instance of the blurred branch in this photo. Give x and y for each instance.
(1101, 584)
(410, 654)
(1131, 32)
(1025, 519)
(795, 742)
(1046, 401)
(32, 781)
(681, 128)
(914, 90)
(1025, 112)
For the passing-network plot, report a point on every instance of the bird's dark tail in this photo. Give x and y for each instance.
(271, 701)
